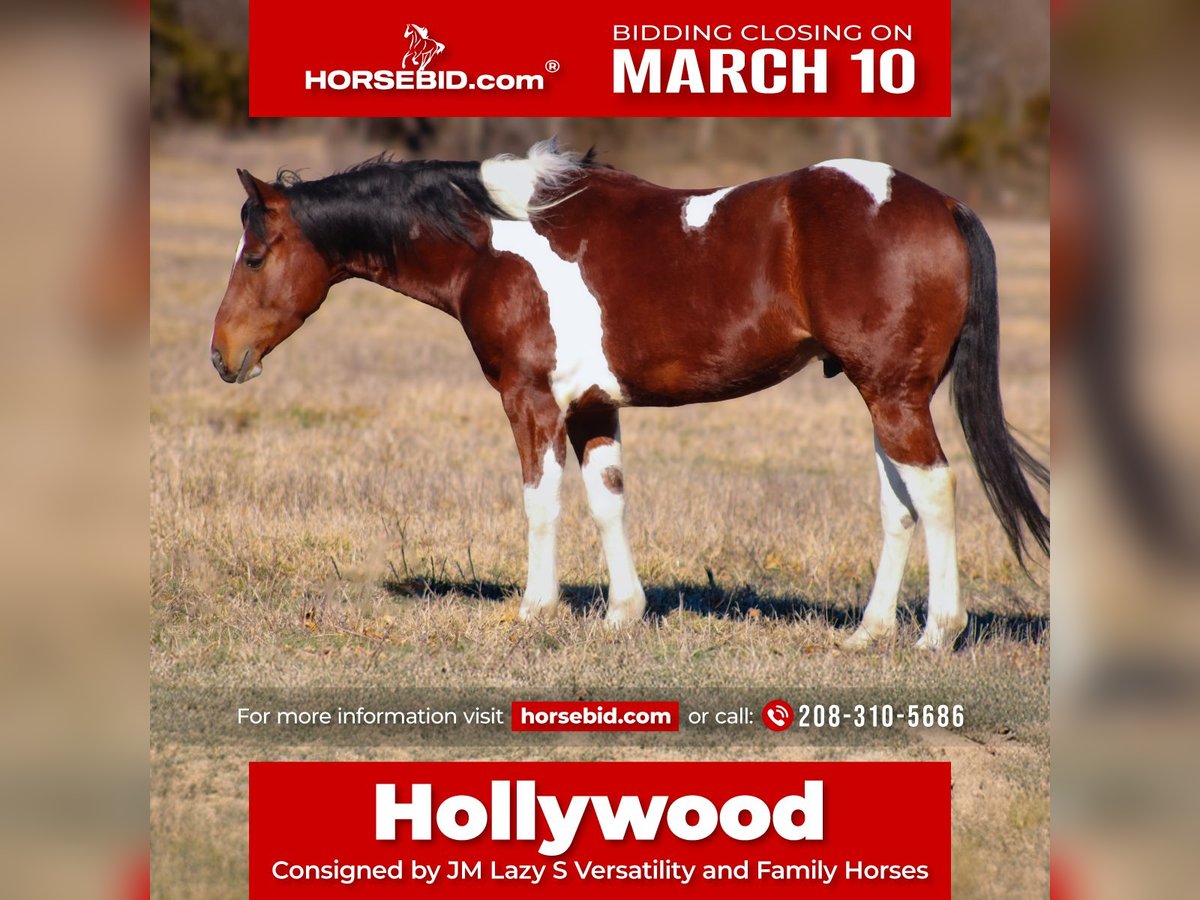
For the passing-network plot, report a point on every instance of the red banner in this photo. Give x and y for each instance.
(378, 58)
(504, 829)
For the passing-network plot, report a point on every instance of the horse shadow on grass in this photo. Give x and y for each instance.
(735, 604)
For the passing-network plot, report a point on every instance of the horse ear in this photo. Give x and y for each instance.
(258, 191)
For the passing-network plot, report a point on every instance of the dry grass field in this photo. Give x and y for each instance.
(353, 520)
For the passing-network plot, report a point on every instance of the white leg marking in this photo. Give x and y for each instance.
(579, 361)
(932, 492)
(898, 516)
(606, 499)
(699, 209)
(874, 177)
(542, 506)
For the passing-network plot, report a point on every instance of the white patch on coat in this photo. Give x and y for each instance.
(512, 180)
(699, 209)
(542, 505)
(626, 599)
(579, 361)
(237, 257)
(874, 177)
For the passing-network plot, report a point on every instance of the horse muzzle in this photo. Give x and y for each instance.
(246, 369)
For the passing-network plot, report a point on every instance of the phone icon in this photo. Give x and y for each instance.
(778, 715)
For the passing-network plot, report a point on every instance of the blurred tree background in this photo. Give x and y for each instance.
(993, 151)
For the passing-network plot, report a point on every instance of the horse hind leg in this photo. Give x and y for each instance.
(933, 495)
(898, 515)
(908, 444)
(596, 438)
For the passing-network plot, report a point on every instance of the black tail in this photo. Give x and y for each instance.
(998, 458)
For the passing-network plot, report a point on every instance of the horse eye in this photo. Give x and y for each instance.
(253, 262)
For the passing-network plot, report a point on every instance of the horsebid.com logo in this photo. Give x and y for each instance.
(413, 74)
(421, 47)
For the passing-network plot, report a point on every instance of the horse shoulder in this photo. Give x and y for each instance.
(504, 315)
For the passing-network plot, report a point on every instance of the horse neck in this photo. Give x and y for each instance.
(360, 234)
(431, 269)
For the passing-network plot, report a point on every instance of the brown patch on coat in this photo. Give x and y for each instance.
(591, 425)
(613, 479)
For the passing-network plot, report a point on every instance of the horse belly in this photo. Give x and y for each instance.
(699, 365)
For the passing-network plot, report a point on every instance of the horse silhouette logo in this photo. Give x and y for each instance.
(421, 47)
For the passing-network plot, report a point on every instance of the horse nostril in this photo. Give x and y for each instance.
(218, 362)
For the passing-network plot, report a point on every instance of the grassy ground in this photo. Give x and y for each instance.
(353, 518)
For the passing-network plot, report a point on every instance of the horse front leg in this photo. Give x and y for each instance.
(540, 433)
(596, 438)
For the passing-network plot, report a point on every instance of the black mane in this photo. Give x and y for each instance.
(371, 208)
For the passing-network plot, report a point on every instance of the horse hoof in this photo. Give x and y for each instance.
(619, 619)
(931, 643)
(937, 639)
(623, 612)
(862, 639)
(530, 611)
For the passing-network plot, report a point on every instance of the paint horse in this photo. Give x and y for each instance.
(584, 289)
(421, 47)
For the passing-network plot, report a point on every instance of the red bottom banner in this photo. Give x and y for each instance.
(528, 829)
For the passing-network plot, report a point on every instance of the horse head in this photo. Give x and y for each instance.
(278, 280)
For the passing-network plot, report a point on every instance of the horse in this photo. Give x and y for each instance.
(421, 48)
(584, 289)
